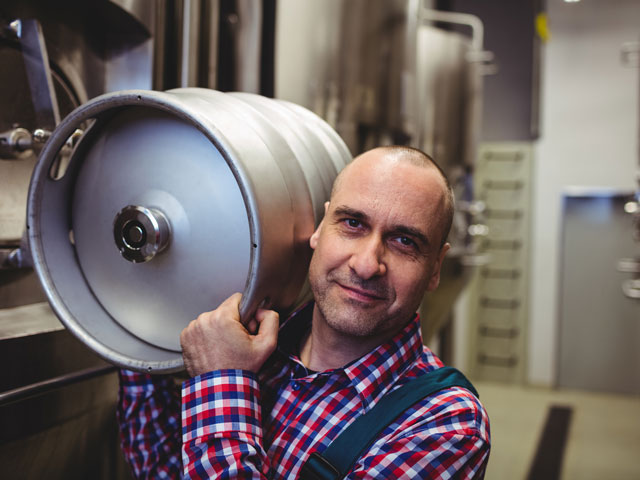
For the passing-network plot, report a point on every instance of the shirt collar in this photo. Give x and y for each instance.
(373, 374)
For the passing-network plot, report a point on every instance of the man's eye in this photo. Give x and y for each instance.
(406, 241)
(352, 222)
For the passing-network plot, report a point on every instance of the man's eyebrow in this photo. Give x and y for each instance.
(411, 232)
(350, 212)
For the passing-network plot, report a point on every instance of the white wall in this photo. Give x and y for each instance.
(589, 138)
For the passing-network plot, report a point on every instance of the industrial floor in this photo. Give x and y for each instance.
(602, 434)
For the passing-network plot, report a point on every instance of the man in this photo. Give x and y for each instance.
(258, 405)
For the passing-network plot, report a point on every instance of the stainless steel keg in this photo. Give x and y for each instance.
(170, 202)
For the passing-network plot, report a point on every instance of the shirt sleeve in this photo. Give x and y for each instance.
(149, 421)
(222, 426)
(447, 438)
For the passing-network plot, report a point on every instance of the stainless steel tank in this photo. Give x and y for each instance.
(394, 72)
(55, 53)
(171, 202)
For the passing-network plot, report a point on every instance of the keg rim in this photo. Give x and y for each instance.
(93, 109)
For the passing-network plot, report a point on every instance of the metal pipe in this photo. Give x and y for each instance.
(45, 386)
(36, 62)
(249, 35)
(477, 56)
(188, 49)
(466, 19)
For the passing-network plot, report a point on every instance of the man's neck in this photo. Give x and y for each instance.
(326, 349)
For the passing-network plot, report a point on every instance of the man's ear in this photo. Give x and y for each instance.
(313, 241)
(434, 280)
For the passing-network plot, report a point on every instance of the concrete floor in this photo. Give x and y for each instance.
(603, 441)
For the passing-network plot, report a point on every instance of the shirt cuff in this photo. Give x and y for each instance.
(136, 383)
(221, 402)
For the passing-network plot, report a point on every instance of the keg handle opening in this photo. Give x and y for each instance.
(248, 309)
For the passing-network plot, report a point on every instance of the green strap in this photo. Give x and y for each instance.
(342, 453)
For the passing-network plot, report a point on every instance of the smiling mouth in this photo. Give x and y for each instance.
(359, 294)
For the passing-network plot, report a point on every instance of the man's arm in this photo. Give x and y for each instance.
(149, 420)
(222, 426)
(221, 422)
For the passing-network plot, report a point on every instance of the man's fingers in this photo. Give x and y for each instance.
(252, 326)
(268, 328)
(217, 340)
(232, 304)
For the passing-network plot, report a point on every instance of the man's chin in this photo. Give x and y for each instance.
(353, 321)
(354, 329)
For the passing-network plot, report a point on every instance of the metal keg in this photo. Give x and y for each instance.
(170, 202)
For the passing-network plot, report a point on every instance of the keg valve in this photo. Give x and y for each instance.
(140, 233)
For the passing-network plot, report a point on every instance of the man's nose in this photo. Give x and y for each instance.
(367, 261)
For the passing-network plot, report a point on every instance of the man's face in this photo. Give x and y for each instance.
(377, 249)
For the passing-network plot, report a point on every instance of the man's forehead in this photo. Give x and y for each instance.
(399, 192)
(386, 174)
(382, 200)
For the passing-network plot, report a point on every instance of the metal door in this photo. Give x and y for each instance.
(599, 346)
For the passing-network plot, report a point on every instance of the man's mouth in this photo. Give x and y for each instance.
(361, 294)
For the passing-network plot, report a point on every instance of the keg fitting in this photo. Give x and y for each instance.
(140, 233)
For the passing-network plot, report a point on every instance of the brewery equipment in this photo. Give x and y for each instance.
(631, 265)
(55, 56)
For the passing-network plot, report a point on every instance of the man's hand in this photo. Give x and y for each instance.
(217, 340)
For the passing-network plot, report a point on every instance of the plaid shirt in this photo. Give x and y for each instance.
(237, 425)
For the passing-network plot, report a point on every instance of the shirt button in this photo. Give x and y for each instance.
(295, 386)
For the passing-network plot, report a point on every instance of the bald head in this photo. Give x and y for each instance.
(412, 156)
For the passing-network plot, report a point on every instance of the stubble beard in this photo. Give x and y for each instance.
(348, 316)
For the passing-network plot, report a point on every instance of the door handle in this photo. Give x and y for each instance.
(629, 265)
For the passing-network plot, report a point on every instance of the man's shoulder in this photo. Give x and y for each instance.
(444, 431)
(453, 409)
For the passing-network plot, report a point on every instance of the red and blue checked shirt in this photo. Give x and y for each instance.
(235, 424)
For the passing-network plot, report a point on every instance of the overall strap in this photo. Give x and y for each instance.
(344, 450)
